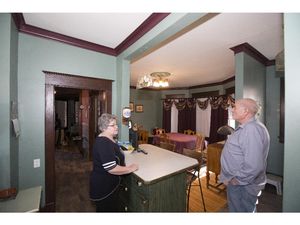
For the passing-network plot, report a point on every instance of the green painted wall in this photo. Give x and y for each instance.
(151, 101)
(291, 184)
(14, 141)
(239, 75)
(275, 157)
(219, 88)
(122, 96)
(254, 86)
(8, 93)
(4, 100)
(256, 81)
(35, 55)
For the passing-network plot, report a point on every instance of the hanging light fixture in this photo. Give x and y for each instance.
(155, 79)
(144, 81)
(160, 79)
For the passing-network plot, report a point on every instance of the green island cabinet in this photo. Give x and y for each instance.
(160, 183)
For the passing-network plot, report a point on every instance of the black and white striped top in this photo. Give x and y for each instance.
(106, 156)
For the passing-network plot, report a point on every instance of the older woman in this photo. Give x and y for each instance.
(108, 165)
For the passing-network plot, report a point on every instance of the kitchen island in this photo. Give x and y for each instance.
(160, 183)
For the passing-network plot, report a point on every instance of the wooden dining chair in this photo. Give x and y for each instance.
(200, 145)
(189, 132)
(143, 136)
(164, 138)
(168, 146)
(193, 175)
(160, 131)
(200, 141)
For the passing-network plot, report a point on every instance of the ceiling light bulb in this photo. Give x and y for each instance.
(165, 83)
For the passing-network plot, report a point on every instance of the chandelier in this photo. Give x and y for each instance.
(159, 79)
(155, 79)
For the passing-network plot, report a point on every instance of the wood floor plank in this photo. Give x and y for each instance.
(214, 201)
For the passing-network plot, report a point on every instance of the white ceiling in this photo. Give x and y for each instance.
(108, 29)
(201, 56)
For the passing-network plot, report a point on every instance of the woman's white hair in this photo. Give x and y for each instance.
(104, 120)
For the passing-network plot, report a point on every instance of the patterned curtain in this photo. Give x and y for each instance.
(223, 100)
(166, 123)
(187, 119)
(219, 116)
(187, 113)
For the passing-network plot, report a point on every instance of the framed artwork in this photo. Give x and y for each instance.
(139, 108)
(131, 106)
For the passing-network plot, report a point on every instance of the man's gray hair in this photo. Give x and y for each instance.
(104, 120)
(251, 105)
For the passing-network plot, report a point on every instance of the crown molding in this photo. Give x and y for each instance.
(213, 84)
(147, 25)
(271, 62)
(250, 50)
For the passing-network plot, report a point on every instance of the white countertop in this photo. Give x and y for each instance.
(27, 200)
(158, 162)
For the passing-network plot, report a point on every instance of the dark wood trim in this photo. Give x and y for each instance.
(281, 119)
(52, 80)
(250, 50)
(39, 32)
(229, 91)
(49, 149)
(147, 25)
(76, 81)
(176, 96)
(271, 62)
(18, 19)
(213, 84)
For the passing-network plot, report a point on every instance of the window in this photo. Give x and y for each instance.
(231, 121)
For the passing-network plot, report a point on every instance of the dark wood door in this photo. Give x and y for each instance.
(52, 80)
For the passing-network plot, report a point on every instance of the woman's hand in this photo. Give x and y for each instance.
(133, 167)
(120, 170)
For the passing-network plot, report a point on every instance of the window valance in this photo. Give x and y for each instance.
(223, 100)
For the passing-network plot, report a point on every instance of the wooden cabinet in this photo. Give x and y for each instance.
(214, 152)
(165, 195)
(159, 185)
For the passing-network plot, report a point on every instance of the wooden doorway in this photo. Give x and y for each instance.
(90, 85)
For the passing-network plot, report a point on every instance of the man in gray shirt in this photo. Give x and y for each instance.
(244, 158)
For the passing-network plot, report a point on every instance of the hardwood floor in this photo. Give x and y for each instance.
(72, 188)
(72, 181)
(216, 201)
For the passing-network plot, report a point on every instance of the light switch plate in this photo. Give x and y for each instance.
(36, 163)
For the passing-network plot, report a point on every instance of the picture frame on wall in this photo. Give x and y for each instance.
(139, 108)
(131, 106)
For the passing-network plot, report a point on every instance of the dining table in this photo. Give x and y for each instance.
(180, 140)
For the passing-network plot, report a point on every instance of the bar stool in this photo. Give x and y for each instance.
(275, 181)
(194, 174)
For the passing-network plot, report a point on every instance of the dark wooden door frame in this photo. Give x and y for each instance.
(52, 80)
